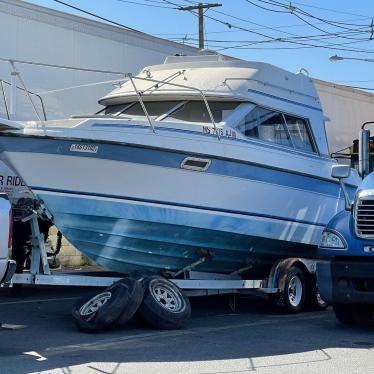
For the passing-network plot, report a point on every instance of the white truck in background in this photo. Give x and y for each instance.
(7, 266)
(21, 203)
(12, 185)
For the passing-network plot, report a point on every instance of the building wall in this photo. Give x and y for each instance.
(34, 33)
(347, 109)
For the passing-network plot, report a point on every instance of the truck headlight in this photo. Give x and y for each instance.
(332, 240)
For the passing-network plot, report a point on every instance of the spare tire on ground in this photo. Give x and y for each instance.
(136, 294)
(164, 305)
(99, 312)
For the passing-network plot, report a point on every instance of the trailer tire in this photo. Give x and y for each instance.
(98, 312)
(136, 294)
(164, 305)
(292, 298)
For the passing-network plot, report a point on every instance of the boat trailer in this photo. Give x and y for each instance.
(193, 283)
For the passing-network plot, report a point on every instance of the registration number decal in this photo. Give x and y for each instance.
(84, 148)
(220, 132)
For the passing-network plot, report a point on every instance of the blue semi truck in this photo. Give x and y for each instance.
(346, 277)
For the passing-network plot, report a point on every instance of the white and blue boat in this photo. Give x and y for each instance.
(200, 156)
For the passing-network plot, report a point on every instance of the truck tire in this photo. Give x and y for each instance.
(344, 313)
(354, 314)
(362, 314)
(292, 298)
(98, 312)
(314, 299)
(164, 305)
(136, 294)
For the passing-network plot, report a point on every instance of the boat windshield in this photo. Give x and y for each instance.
(174, 111)
(196, 111)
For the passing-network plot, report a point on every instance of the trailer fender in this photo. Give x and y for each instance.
(278, 273)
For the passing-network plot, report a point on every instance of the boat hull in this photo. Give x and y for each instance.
(132, 207)
(125, 236)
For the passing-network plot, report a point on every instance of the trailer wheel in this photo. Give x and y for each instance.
(292, 298)
(136, 294)
(100, 311)
(164, 305)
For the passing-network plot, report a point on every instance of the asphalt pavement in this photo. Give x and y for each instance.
(244, 335)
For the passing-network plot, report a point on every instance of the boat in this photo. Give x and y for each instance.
(204, 160)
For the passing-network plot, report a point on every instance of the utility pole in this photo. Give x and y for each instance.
(200, 7)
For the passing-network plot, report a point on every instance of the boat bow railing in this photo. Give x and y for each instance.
(10, 109)
(6, 102)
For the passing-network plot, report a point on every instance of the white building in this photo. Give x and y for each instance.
(34, 33)
(347, 108)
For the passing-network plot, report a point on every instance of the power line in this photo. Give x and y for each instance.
(327, 46)
(152, 5)
(273, 39)
(299, 40)
(97, 16)
(320, 37)
(330, 10)
(292, 9)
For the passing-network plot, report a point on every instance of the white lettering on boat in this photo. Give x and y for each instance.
(84, 148)
(219, 131)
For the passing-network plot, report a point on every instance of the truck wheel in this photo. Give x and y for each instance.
(362, 314)
(100, 311)
(164, 305)
(344, 313)
(292, 298)
(314, 299)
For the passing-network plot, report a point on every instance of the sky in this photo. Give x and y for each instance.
(247, 29)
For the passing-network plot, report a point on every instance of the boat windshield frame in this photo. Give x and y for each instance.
(139, 94)
(175, 105)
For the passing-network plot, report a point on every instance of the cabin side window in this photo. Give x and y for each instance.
(299, 133)
(275, 127)
(266, 125)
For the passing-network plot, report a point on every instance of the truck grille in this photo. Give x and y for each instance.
(365, 218)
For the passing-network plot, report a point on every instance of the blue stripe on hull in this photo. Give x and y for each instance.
(173, 159)
(131, 238)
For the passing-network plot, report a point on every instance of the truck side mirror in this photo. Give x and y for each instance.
(340, 172)
(364, 153)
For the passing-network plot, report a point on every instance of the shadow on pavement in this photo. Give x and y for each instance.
(216, 332)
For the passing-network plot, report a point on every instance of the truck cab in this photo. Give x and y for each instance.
(346, 278)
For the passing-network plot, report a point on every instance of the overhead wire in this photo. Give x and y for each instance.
(95, 15)
(293, 9)
(151, 4)
(268, 38)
